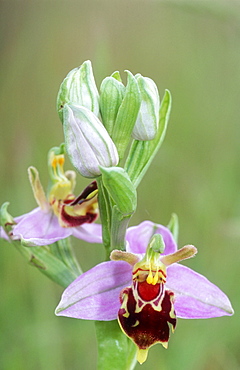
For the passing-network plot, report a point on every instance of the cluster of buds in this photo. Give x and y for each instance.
(99, 127)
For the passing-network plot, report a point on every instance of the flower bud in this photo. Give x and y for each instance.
(120, 188)
(142, 153)
(146, 125)
(79, 88)
(111, 95)
(87, 141)
(126, 115)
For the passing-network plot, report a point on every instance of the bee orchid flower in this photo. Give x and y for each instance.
(60, 214)
(145, 288)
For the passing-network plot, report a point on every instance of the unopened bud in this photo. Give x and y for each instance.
(79, 88)
(146, 125)
(111, 95)
(126, 115)
(87, 141)
(142, 153)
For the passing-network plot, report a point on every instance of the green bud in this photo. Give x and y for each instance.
(120, 188)
(79, 88)
(111, 96)
(127, 115)
(88, 143)
(146, 125)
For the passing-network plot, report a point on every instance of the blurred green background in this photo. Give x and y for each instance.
(193, 49)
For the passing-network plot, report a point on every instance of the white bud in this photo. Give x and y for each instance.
(87, 141)
(146, 125)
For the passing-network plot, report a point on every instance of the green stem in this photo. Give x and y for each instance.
(115, 350)
(118, 230)
(132, 356)
(104, 203)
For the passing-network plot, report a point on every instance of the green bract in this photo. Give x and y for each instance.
(120, 188)
(146, 125)
(79, 88)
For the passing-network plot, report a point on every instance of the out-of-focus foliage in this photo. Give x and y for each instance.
(193, 49)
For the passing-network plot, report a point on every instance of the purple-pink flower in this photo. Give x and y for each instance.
(38, 228)
(111, 289)
(60, 214)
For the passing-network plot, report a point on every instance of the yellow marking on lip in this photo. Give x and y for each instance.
(136, 324)
(142, 355)
(164, 344)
